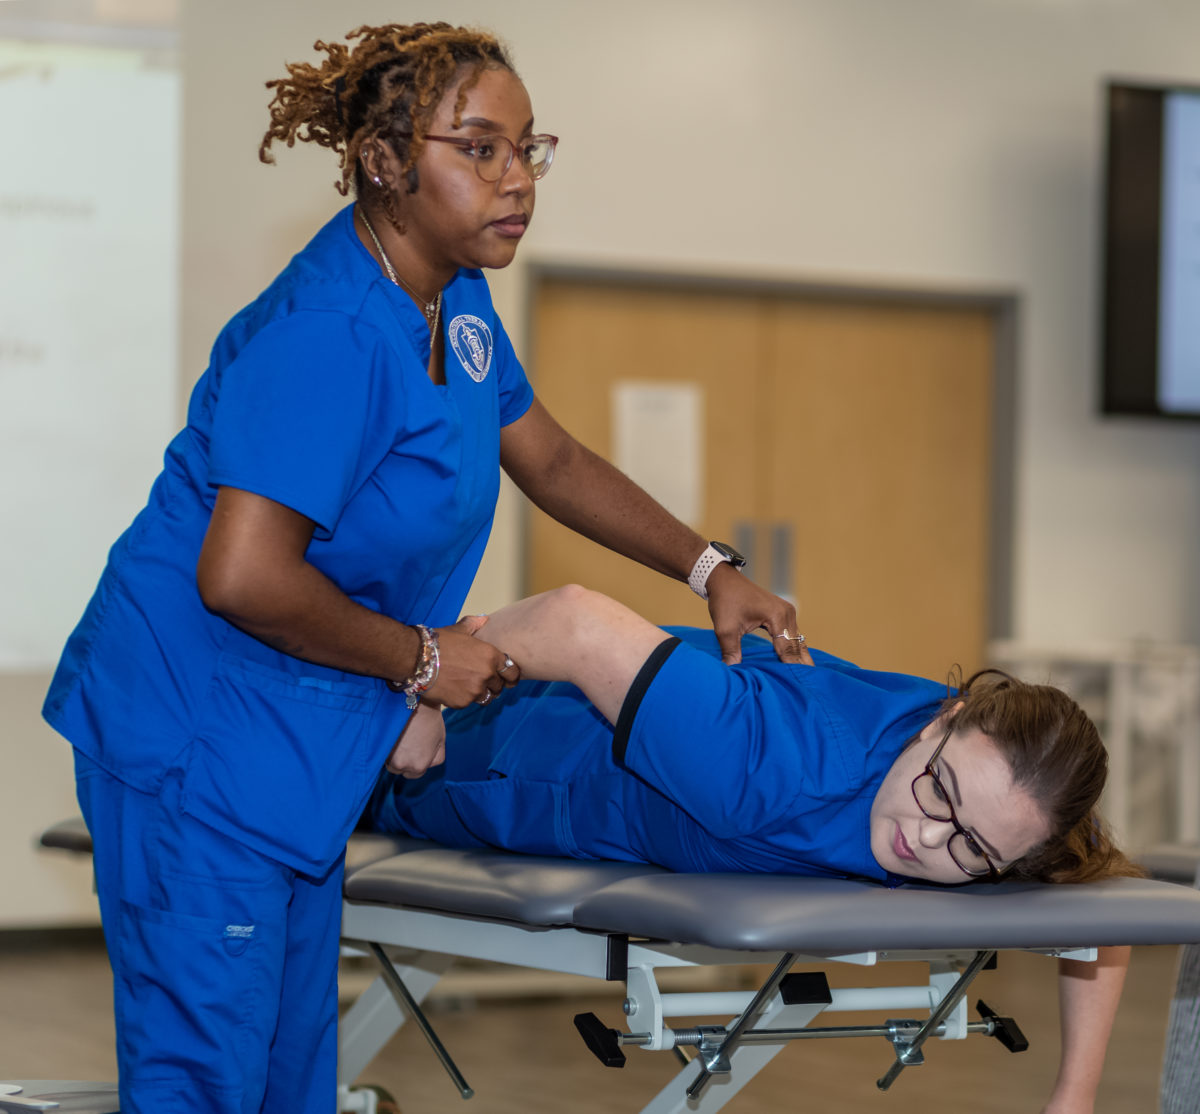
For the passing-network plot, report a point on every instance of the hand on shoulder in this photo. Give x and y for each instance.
(738, 605)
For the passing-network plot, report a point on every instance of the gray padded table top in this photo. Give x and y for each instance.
(778, 912)
(769, 912)
(495, 885)
(363, 849)
(772, 912)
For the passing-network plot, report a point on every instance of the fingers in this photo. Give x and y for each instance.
(471, 625)
(792, 649)
(508, 674)
(422, 743)
(510, 671)
(411, 766)
(731, 647)
(471, 670)
(738, 605)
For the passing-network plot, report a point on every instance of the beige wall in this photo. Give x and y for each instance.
(938, 144)
(934, 143)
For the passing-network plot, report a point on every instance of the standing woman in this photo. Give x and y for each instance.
(264, 628)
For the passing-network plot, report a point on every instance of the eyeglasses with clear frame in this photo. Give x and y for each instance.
(492, 155)
(933, 800)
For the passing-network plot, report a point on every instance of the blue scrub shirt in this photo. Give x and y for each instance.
(760, 766)
(317, 396)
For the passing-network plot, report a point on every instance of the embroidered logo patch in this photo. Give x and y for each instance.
(471, 340)
(237, 938)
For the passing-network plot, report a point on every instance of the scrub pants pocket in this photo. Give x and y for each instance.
(198, 990)
(517, 813)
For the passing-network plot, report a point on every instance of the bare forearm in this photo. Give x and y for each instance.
(1089, 994)
(301, 612)
(584, 492)
(253, 572)
(618, 514)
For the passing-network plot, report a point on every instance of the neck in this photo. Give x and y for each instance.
(420, 281)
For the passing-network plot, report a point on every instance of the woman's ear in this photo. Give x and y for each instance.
(376, 163)
(939, 725)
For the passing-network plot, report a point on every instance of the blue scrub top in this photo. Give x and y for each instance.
(760, 767)
(317, 396)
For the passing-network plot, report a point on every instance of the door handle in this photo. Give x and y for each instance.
(745, 541)
(781, 561)
(776, 571)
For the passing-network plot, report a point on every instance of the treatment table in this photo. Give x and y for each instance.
(417, 907)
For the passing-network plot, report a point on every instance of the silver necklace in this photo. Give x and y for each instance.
(431, 310)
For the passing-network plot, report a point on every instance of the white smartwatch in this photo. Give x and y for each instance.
(715, 553)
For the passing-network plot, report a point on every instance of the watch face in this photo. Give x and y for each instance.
(725, 550)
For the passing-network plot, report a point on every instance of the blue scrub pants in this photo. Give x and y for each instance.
(224, 962)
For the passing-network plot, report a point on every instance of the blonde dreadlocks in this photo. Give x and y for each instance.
(387, 86)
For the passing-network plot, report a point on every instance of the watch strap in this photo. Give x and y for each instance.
(702, 569)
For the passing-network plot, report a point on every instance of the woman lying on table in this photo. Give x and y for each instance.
(625, 741)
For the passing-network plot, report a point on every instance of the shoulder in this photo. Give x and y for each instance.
(326, 297)
(858, 710)
(331, 275)
(471, 284)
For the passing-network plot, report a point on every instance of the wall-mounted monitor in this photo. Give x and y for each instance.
(1151, 296)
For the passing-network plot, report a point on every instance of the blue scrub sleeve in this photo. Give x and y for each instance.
(304, 414)
(729, 745)
(516, 395)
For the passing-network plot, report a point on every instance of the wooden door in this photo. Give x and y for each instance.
(589, 339)
(881, 459)
(856, 430)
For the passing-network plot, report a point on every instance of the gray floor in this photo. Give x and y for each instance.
(522, 1054)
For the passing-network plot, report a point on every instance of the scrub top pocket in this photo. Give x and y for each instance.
(281, 762)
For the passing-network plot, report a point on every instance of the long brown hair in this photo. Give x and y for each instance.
(386, 86)
(1056, 755)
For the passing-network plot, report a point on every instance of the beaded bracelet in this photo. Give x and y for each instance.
(426, 671)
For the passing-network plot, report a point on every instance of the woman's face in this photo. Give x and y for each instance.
(1001, 817)
(455, 219)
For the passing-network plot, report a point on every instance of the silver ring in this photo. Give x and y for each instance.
(508, 664)
(485, 699)
(799, 638)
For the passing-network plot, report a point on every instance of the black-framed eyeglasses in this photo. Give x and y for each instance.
(492, 155)
(933, 800)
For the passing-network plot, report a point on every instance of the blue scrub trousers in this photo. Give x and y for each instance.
(224, 961)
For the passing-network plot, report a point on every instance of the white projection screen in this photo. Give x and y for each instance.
(89, 246)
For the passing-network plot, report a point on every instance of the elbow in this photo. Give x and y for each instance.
(219, 589)
(232, 591)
